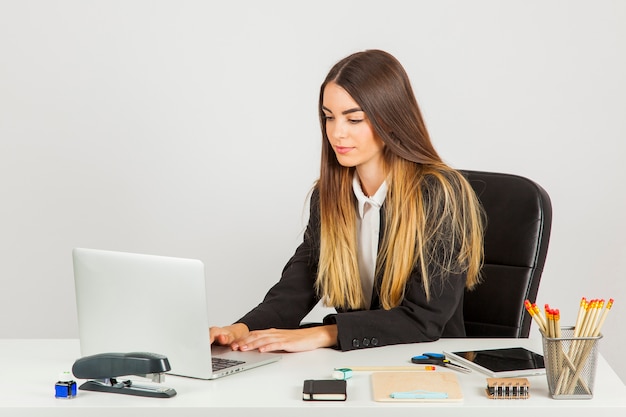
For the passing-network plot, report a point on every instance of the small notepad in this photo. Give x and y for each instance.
(432, 384)
(324, 390)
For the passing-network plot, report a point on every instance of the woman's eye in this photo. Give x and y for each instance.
(355, 121)
(328, 118)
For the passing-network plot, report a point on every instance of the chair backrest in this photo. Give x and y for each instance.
(519, 219)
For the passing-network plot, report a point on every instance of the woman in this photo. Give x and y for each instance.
(394, 235)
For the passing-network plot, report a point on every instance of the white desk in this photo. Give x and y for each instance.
(29, 369)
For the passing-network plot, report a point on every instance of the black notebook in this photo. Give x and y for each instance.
(324, 390)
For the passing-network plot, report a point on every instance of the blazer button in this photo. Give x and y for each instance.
(374, 341)
(366, 342)
(355, 343)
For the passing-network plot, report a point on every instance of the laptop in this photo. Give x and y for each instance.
(129, 302)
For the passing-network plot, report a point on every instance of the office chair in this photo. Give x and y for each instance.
(518, 222)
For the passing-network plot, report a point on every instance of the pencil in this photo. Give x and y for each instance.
(550, 319)
(597, 329)
(581, 314)
(390, 368)
(556, 322)
(541, 318)
(536, 317)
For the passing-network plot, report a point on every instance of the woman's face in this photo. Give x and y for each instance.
(350, 132)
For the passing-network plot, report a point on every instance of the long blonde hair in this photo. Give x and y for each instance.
(433, 220)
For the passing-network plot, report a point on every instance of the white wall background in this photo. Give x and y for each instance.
(189, 128)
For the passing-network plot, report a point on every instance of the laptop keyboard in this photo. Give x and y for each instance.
(220, 363)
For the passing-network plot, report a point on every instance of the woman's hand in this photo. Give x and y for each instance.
(292, 340)
(228, 334)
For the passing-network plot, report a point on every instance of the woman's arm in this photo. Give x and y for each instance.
(288, 340)
(414, 320)
(294, 295)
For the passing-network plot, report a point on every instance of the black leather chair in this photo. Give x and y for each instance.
(519, 219)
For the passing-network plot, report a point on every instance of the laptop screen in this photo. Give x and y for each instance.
(143, 303)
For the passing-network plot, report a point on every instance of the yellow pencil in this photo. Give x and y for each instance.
(543, 320)
(581, 314)
(535, 316)
(389, 368)
(596, 331)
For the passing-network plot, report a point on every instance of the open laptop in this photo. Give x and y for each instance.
(144, 303)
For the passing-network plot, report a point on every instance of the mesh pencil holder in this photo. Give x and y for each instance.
(570, 364)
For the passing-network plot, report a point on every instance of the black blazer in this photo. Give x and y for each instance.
(414, 320)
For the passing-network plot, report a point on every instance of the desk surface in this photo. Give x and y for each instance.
(29, 369)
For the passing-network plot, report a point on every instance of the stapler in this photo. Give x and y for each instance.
(103, 369)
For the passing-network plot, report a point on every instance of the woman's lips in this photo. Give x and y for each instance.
(343, 149)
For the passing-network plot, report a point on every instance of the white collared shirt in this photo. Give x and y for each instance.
(368, 229)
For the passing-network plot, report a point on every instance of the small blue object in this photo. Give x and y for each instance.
(438, 359)
(419, 394)
(65, 386)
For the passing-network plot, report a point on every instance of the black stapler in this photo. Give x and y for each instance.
(103, 369)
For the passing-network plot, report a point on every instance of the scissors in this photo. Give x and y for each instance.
(438, 359)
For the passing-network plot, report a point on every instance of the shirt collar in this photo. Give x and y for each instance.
(376, 200)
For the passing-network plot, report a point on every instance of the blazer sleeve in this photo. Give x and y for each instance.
(294, 295)
(414, 320)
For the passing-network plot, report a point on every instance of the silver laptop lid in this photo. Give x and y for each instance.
(131, 302)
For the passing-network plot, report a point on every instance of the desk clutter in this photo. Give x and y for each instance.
(414, 385)
(571, 352)
(418, 383)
